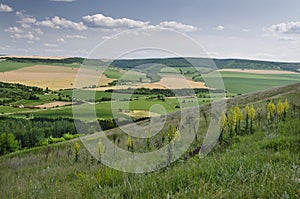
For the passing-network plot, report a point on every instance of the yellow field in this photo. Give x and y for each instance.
(166, 82)
(141, 113)
(53, 77)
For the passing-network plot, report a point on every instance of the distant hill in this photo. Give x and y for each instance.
(205, 62)
(170, 62)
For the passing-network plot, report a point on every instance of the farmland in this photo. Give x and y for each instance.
(263, 164)
(39, 142)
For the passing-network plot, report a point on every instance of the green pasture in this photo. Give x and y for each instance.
(236, 82)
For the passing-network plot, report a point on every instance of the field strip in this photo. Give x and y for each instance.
(271, 72)
(166, 82)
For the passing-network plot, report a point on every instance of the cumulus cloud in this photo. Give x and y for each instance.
(61, 40)
(99, 20)
(28, 35)
(220, 28)
(177, 26)
(13, 30)
(39, 31)
(57, 23)
(50, 45)
(75, 37)
(5, 8)
(290, 27)
(25, 20)
(245, 30)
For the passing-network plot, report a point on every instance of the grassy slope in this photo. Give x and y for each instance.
(263, 165)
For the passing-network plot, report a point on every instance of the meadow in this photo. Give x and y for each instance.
(238, 82)
(262, 164)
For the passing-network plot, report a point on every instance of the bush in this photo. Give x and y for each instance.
(8, 143)
(68, 136)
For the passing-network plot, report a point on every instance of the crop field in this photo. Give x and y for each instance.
(240, 82)
(10, 66)
(53, 77)
(267, 72)
(260, 161)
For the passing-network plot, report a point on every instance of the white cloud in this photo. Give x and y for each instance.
(28, 35)
(13, 30)
(99, 20)
(61, 40)
(76, 37)
(245, 30)
(25, 20)
(5, 8)
(177, 26)
(50, 45)
(57, 23)
(220, 28)
(290, 27)
(39, 31)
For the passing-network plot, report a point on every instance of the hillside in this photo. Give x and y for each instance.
(263, 164)
(203, 62)
(169, 62)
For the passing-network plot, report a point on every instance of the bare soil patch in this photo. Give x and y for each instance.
(53, 104)
(141, 113)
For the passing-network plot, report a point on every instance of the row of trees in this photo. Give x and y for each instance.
(240, 122)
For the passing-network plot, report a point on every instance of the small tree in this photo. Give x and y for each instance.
(222, 126)
(246, 115)
(114, 136)
(163, 137)
(8, 143)
(76, 150)
(251, 116)
(148, 141)
(231, 121)
(286, 107)
(173, 135)
(238, 115)
(129, 144)
(100, 149)
(271, 110)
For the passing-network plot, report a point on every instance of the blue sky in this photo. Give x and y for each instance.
(258, 29)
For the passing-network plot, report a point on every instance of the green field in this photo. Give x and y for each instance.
(237, 82)
(104, 109)
(9, 66)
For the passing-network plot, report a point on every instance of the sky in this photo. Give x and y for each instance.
(257, 29)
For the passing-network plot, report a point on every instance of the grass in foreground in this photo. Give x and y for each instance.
(263, 165)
